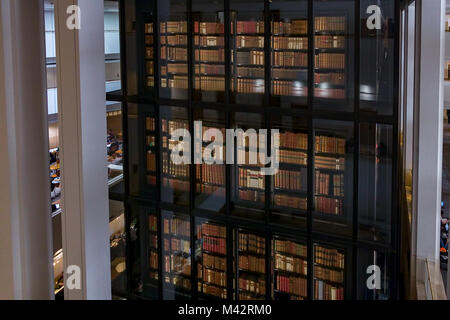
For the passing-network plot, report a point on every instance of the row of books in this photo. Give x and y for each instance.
(291, 264)
(174, 27)
(330, 144)
(150, 68)
(251, 263)
(178, 245)
(329, 184)
(178, 170)
(206, 83)
(325, 291)
(248, 85)
(176, 227)
(329, 274)
(209, 41)
(153, 263)
(214, 245)
(174, 263)
(248, 156)
(214, 277)
(153, 241)
(332, 163)
(178, 82)
(330, 24)
(212, 290)
(216, 55)
(293, 157)
(251, 243)
(255, 285)
(299, 75)
(249, 27)
(288, 88)
(211, 174)
(148, 27)
(208, 27)
(294, 140)
(295, 43)
(211, 229)
(292, 285)
(148, 39)
(250, 195)
(177, 281)
(292, 27)
(250, 57)
(149, 52)
(329, 205)
(215, 262)
(151, 161)
(329, 42)
(330, 60)
(329, 257)
(249, 42)
(150, 124)
(174, 53)
(290, 180)
(290, 59)
(175, 40)
(201, 68)
(174, 68)
(283, 200)
(206, 189)
(251, 179)
(290, 247)
(150, 81)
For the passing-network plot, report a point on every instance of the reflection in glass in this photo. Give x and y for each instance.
(117, 239)
(329, 275)
(367, 258)
(375, 182)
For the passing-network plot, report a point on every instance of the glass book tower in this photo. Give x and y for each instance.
(309, 68)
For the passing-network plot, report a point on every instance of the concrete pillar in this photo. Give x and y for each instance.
(25, 215)
(81, 93)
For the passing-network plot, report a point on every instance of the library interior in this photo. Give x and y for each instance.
(358, 92)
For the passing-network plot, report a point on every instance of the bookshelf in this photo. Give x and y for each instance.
(250, 266)
(176, 235)
(290, 269)
(282, 64)
(211, 260)
(289, 53)
(149, 54)
(329, 275)
(175, 177)
(209, 51)
(153, 264)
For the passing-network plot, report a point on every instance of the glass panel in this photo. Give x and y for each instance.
(333, 176)
(289, 53)
(369, 261)
(377, 59)
(117, 243)
(334, 54)
(329, 275)
(250, 265)
(131, 41)
(210, 178)
(290, 269)
(211, 259)
(176, 237)
(174, 49)
(290, 185)
(151, 283)
(142, 147)
(149, 55)
(175, 177)
(248, 181)
(114, 147)
(375, 182)
(247, 51)
(209, 50)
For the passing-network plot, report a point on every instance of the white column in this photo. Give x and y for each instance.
(81, 95)
(428, 144)
(25, 216)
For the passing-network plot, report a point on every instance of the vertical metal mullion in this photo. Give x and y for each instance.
(157, 51)
(267, 31)
(227, 31)
(160, 252)
(356, 134)
(310, 282)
